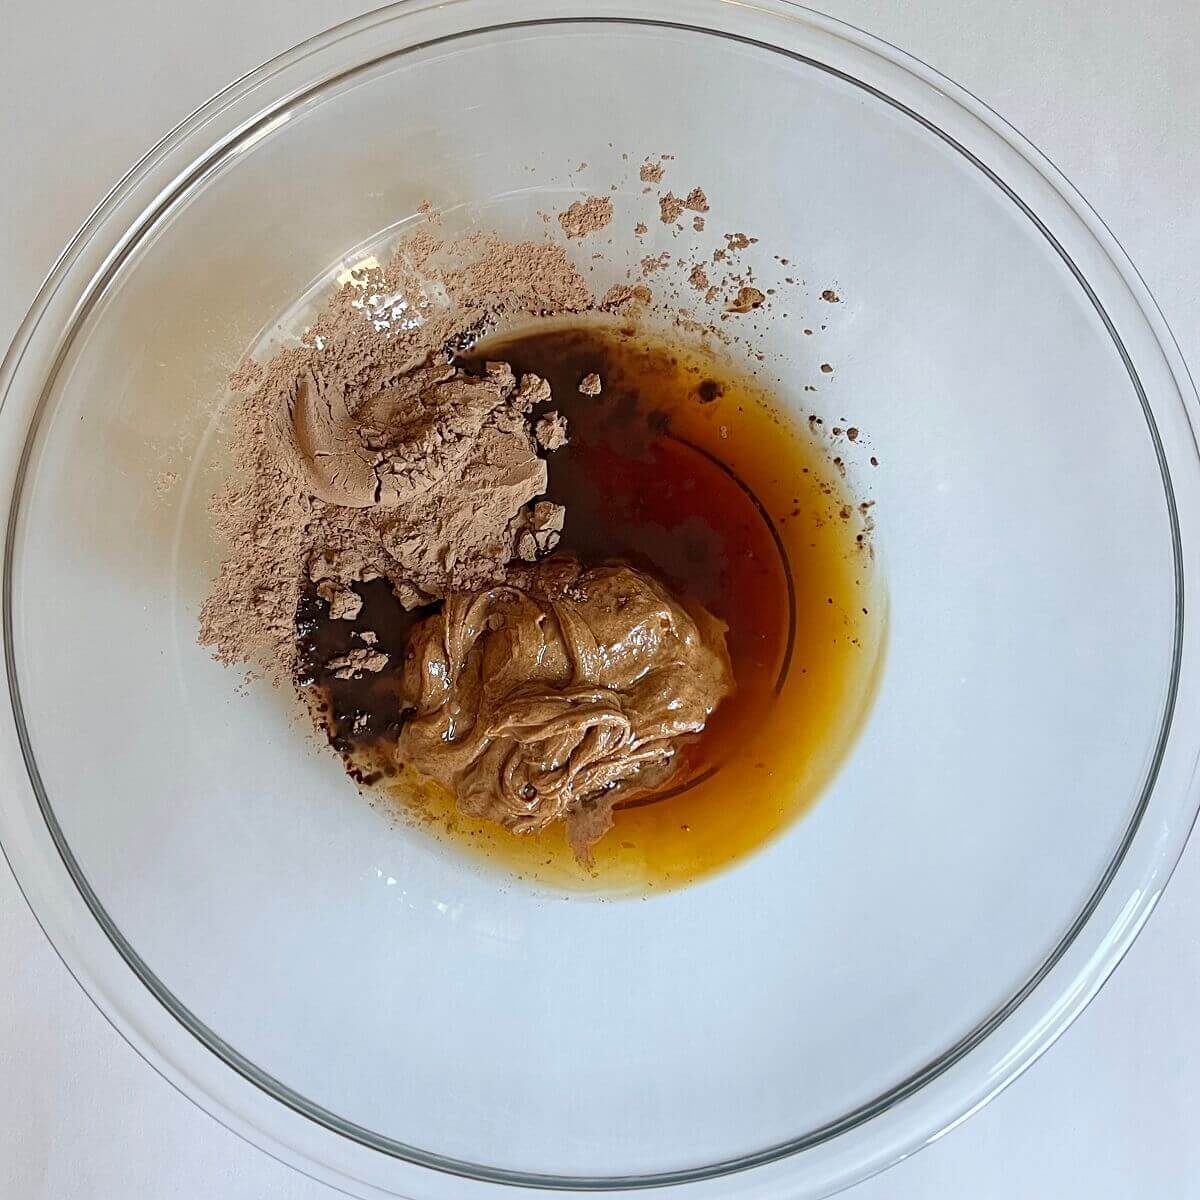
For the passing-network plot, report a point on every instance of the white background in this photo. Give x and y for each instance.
(1109, 89)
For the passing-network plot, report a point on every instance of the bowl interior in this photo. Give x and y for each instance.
(1021, 524)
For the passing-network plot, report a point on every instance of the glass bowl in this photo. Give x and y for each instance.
(397, 1020)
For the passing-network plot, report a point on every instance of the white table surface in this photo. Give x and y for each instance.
(1109, 89)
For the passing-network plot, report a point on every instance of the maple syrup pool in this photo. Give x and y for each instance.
(687, 469)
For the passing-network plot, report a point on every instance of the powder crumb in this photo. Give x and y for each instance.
(827, 368)
(669, 208)
(651, 172)
(344, 603)
(696, 200)
(165, 482)
(655, 262)
(830, 296)
(739, 241)
(425, 208)
(621, 296)
(247, 376)
(368, 636)
(551, 431)
(712, 293)
(409, 595)
(699, 278)
(582, 167)
(352, 664)
(640, 229)
(586, 216)
(719, 255)
(746, 300)
(852, 433)
(698, 224)
(542, 531)
(590, 385)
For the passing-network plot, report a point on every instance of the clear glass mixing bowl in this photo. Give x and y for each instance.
(399, 1021)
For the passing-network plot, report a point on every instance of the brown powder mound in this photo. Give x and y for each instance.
(364, 454)
(559, 699)
(586, 216)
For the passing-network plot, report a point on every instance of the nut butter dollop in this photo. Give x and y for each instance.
(560, 696)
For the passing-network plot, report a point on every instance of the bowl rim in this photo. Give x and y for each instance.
(149, 189)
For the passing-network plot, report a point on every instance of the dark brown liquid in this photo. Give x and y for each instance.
(685, 469)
